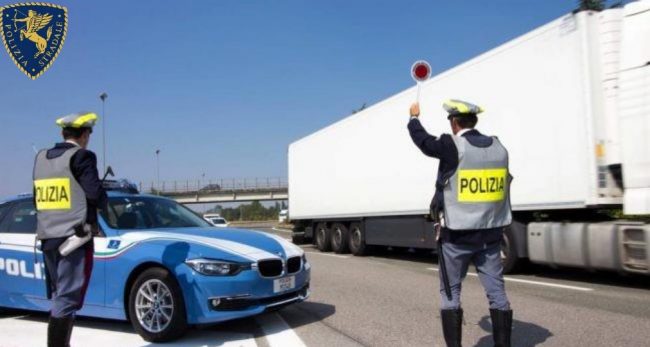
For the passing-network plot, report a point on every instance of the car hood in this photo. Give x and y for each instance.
(250, 244)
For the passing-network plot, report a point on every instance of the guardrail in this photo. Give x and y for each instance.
(215, 185)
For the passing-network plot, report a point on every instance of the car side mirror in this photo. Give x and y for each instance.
(109, 171)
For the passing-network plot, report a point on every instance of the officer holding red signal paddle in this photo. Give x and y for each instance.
(471, 207)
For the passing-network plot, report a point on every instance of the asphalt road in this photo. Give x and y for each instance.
(391, 299)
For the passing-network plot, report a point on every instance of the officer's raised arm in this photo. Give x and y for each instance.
(472, 208)
(427, 143)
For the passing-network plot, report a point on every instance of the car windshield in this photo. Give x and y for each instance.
(139, 212)
(218, 221)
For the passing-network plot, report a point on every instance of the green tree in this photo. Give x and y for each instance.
(252, 212)
(363, 107)
(592, 5)
(217, 209)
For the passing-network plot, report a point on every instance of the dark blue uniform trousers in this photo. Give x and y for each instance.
(68, 276)
(487, 259)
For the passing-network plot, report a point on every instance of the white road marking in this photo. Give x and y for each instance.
(329, 255)
(518, 280)
(277, 331)
(23, 331)
(282, 230)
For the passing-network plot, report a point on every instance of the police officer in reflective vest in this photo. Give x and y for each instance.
(472, 206)
(67, 193)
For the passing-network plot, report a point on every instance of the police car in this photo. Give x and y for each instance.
(158, 265)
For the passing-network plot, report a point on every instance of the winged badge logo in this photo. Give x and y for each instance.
(33, 33)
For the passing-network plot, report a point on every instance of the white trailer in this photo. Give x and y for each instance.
(571, 102)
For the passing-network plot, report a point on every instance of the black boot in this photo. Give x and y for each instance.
(501, 327)
(59, 331)
(452, 326)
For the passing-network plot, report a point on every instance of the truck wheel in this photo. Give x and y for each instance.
(323, 238)
(156, 306)
(509, 257)
(340, 238)
(298, 239)
(357, 240)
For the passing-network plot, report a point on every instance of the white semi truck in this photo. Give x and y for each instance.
(571, 102)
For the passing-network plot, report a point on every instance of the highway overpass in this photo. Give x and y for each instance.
(221, 190)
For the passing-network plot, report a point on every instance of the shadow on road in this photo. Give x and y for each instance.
(524, 334)
(306, 313)
(315, 311)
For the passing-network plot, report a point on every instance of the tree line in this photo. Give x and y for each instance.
(250, 212)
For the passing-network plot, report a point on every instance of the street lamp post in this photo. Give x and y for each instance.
(158, 171)
(103, 97)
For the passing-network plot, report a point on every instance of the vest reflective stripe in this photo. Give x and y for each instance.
(60, 200)
(477, 195)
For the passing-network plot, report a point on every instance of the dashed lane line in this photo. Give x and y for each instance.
(519, 280)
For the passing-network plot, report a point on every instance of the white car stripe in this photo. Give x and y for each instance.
(289, 248)
(240, 249)
(248, 252)
(18, 248)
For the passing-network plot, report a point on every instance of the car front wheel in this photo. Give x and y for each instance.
(156, 306)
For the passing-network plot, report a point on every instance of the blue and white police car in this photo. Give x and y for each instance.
(158, 265)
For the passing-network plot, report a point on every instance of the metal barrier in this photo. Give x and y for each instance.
(215, 185)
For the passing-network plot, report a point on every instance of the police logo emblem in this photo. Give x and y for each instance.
(33, 33)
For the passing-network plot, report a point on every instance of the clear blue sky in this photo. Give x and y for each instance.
(223, 87)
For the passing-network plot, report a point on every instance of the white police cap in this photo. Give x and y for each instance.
(459, 108)
(78, 120)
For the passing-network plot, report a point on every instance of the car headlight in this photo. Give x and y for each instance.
(213, 267)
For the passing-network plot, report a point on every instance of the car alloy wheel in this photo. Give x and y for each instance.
(154, 306)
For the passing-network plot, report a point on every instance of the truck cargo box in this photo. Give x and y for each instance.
(544, 98)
